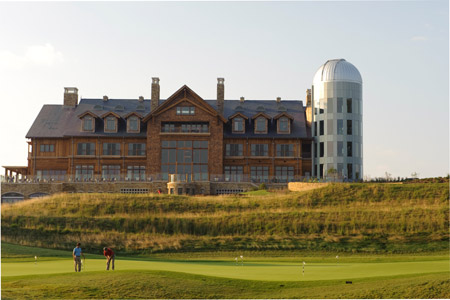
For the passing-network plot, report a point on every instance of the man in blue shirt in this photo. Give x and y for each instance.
(77, 253)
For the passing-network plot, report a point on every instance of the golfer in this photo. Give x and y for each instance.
(77, 253)
(110, 257)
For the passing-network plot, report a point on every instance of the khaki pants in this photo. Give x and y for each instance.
(110, 260)
(77, 262)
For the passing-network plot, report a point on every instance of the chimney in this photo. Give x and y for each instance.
(141, 99)
(155, 93)
(220, 94)
(278, 99)
(242, 100)
(308, 97)
(70, 96)
(105, 98)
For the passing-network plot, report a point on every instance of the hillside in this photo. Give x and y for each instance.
(340, 217)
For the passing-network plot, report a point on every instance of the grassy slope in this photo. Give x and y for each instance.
(341, 217)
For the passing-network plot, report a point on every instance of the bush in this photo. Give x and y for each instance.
(262, 186)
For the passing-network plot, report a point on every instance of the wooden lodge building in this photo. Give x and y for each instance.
(182, 144)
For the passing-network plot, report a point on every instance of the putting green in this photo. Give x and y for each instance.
(250, 271)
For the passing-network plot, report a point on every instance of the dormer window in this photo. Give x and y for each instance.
(261, 125)
(238, 124)
(133, 124)
(111, 124)
(88, 124)
(87, 121)
(283, 125)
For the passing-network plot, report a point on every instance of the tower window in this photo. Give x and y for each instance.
(340, 104)
(340, 126)
(349, 127)
(349, 105)
(321, 127)
(349, 149)
(322, 149)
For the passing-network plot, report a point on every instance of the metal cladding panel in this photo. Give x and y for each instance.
(337, 70)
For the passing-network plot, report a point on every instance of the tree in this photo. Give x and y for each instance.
(332, 173)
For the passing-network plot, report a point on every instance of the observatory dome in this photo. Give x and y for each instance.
(337, 70)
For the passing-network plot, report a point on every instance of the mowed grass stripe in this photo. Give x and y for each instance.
(248, 271)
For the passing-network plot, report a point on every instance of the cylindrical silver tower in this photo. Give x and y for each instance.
(337, 121)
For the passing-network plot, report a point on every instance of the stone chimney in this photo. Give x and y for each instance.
(278, 99)
(155, 94)
(242, 100)
(70, 96)
(141, 99)
(105, 98)
(308, 97)
(220, 95)
(308, 110)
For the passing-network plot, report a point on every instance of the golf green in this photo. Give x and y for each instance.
(267, 271)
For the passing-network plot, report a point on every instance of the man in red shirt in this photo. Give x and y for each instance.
(110, 257)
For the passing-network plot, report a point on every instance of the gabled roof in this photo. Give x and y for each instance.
(133, 113)
(184, 94)
(283, 115)
(261, 114)
(88, 113)
(109, 113)
(238, 115)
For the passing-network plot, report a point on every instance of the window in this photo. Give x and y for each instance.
(315, 149)
(322, 149)
(111, 124)
(315, 128)
(111, 148)
(349, 127)
(136, 173)
(321, 106)
(234, 150)
(349, 105)
(330, 126)
(330, 105)
(260, 125)
(321, 170)
(284, 173)
(306, 150)
(284, 150)
(47, 148)
(259, 174)
(185, 158)
(238, 124)
(283, 125)
(133, 124)
(340, 105)
(86, 149)
(234, 173)
(51, 174)
(88, 123)
(84, 172)
(184, 127)
(349, 149)
(259, 149)
(340, 126)
(111, 172)
(136, 149)
(321, 127)
(186, 110)
(340, 148)
(349, 171)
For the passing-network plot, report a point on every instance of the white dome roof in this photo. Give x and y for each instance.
(337, 70)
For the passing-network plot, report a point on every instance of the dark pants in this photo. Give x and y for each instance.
(110, 260)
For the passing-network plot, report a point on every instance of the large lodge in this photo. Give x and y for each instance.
(180, 145)
(187, 145)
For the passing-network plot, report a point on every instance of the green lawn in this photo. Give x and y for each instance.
(221, 277)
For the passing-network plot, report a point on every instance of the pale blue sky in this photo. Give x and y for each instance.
(263, 49)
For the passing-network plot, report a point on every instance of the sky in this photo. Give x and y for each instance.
(263, 50)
